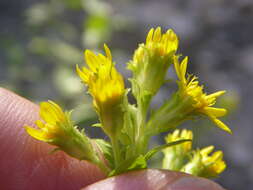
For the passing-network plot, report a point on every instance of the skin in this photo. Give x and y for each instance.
(25, 163)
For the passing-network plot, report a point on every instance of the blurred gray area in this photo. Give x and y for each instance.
(41, 41)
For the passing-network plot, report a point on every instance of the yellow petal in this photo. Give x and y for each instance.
(217, 112)
(221, 125)
(108, 52)
(46, 113)
(183, 67)
(37, 134)
(207, 150)
(216, 94)
(177, 67)
(150, 35)
(84, 75)
(157, 35)
(40, 124)
(92, 60)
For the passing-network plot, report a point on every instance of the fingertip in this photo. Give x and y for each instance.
(148, 179)
(152, 179)
(192, 183)
(25, 162)
(15, 112)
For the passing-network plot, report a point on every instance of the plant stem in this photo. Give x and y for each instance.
(140, 138)
(116, 151)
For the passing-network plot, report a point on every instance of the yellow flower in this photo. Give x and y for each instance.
(174, 156)
(56, 128)
(105, 84)
(151, 60)
(204, 165)
(202, 103)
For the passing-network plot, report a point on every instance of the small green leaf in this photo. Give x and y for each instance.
(133, 163)
(153, 151)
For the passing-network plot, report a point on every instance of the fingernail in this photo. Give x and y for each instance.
(193, 183)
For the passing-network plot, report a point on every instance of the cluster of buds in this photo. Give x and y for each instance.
(196, 162)
(152, 60)
(131, 126)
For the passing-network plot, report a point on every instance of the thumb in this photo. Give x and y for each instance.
(152, 179)
(25, 162)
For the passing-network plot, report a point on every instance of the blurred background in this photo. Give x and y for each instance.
(41, 41)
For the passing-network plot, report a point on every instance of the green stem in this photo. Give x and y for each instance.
(116, 152)
(170, 115)
(141, 139)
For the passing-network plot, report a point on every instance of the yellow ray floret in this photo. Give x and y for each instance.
(189, 87)
(105, 83)
(50, 128)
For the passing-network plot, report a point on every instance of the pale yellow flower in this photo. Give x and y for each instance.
(180, 135)
(174, 156)
(202, 103)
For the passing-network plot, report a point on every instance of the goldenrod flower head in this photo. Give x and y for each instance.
(105, 83)
(56, 128)
(157, 44)
(202, 103)
(204, 165)
(174, 156)
(152, 59)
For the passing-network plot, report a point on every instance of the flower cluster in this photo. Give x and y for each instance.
(196, 162)
(129, 127)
